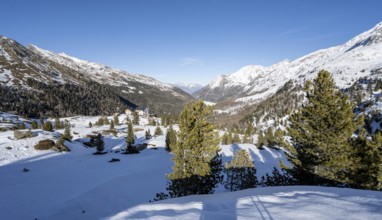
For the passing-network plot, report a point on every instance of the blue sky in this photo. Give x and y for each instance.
(186, 41)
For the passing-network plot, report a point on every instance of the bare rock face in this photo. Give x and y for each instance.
(23, 134)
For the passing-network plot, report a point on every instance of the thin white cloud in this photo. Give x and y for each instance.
(188, 61)
(290, 31)
(322, 37)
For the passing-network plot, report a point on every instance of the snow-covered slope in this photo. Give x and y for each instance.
(19, 64)
(359, 57)
(293, 202)
(99, 72)
(80, 185)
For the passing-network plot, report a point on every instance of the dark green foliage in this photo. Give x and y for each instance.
(320, 134)
(135, 118)
(100, 121)
(67, 135)
(111, 125)
(224, 139)
(236, 138)
(90, 124)
(57, 123)
(260, 139)
(34, 124)
(158, 131)
(367, 160)
(170, 139)
(116, 120)
(89, 98)
(41, 121)
(270, 139)
(240, 172)
(48, 126)
(277, 178)
(130, 136)
(196, 164)
(148, 134)
(99, 143)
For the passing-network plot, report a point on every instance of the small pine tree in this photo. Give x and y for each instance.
(240, 172)
(170, 139)
(229, 138)
(236, 138)
(270, 139)
(135, 118)
(99, 143)
(116, 120)
(158, 131)
(367, 160)
(42, 121)
(34, 124)
(57, 123)
(130, 136)
(100, 121)
(90, 124)
(105, 120)
(67, 135)
(48, 126)
(224, 139)
(111, 125)
(260, 139)
(148, 134)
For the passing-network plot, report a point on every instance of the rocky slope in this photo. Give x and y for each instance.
(359, 57)
(18, 64)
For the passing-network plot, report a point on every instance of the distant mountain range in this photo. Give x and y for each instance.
(190, 88)
(22, 68)
(359, 57)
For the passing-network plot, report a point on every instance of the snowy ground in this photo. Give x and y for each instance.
(80, 185)
(294, 202)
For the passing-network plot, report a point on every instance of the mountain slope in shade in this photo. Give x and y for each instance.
(359, 57)
(19, 63)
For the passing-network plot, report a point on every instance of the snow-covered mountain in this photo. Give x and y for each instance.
(190, 88)
(359, 57)
(19, 63)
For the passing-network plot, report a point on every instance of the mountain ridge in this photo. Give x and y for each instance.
(356, 58)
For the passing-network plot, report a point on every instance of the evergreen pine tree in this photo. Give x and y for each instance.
(42, 121)
(320, 132)
(48, 126)
(260, 139)
(229, 138)
(236, 138)
(270, 139)
(367, 159)
(135, 118)
(224, 139)
(196, 161)
(130, 135)
(34, 124)
(67, 135)
(116, 120)
(90, 124)
(99, 143)
(111, 125)
(148, 134)
(57, 123)
(158, 131)
(240, 172)
(170, 139)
